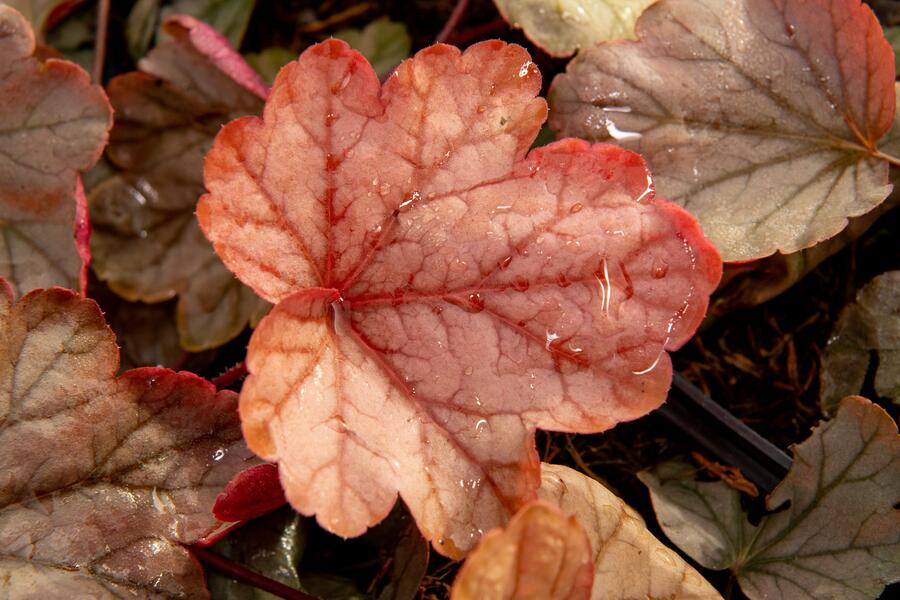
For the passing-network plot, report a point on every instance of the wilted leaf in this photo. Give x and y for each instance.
(441, 294)
(103, 477)
(759, 116)
(871, 324)
(52, 123)
(540, 554)
(383, 42)
(228, 17)
(560, 27)
(838, 533)
(271, 546)
(146, 242)
(628, 561)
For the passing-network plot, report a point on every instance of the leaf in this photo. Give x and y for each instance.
(892, 34)
(871, 324)
(141, 25)
(383, 42)
(42, 14)
(228, 17)
(771, 144)
(540, 554)
(146, 243)
(628, 561)
(409, 564)
(838, 533)
(441, 295)
(269, 61)
(254, 492)
(560, 27)
(52, 123)
(104, 477)
(271, 546)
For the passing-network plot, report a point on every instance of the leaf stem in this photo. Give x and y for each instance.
(246, 576)
(100, 43)
(892, 160)
(452, 22)
(231, 376)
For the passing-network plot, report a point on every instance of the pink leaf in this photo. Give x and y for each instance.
(441, 294)
(252, 493)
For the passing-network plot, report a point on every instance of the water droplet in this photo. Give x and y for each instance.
(562, 280)
(219, 454)
(504, 262)
(437, 309)
(551, 337)
(330, 118)
(576, 207)
(526, 67)
(331, 162)
(468, 370)
(481, 109)
(480, 427)
(476, 302)
(660, 269)
(521, 284)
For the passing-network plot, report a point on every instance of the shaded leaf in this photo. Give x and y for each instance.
(540, 554)
(383, 42)
(104, 477)
(871, 324)
(269, 61)
(53, 122)
(272, 546)
(441, 295)
(771, 144)
(628, 561)
(42, 14)
(892, 34)
(146, 242)
(228, 17)
(560, 27)
(837, 534)
(254, 492)
(409, 564)
(141, 25)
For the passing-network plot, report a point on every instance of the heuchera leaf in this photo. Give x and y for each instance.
(53, 122)
(560, 27)
(383, 42)
(42, 14)
(871, 324)
(761, 117)
(540, 554)
(838, 533)
(441, 295)
(628, 561)
(104, 477)
(251, 493)
(146, 243)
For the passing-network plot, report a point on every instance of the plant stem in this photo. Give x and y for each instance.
(892, 160)
(100, 44)
(248, 577)
(453, 21)
(231, 376)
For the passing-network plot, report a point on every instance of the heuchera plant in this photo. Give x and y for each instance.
(439, 293)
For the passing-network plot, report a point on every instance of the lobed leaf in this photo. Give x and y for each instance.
(561, 27)
(53, 122)
(628, 561)
(146, 243)
(104, 477)
(540, 554)
(761, 117)
(870, 325)
(440, 294)
(837, 534)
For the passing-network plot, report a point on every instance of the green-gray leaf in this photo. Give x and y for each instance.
(839, 535)
(384, 43)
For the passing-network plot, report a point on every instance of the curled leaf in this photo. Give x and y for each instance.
(761, 117)
(146, 242)
(870, 325)
(104, 477)
(253, 492)
(540, 554)
(53, 122)
(441, 294)
(628, 561)
(560, 27)
(837, 533)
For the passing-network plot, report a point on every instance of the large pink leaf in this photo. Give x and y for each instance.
(103, 477)
(53, 122)
(441, 295)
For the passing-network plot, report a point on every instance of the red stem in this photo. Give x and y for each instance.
(490, 29)
(232, 375)
(100, 45)
(452, 22)
(248, 577)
